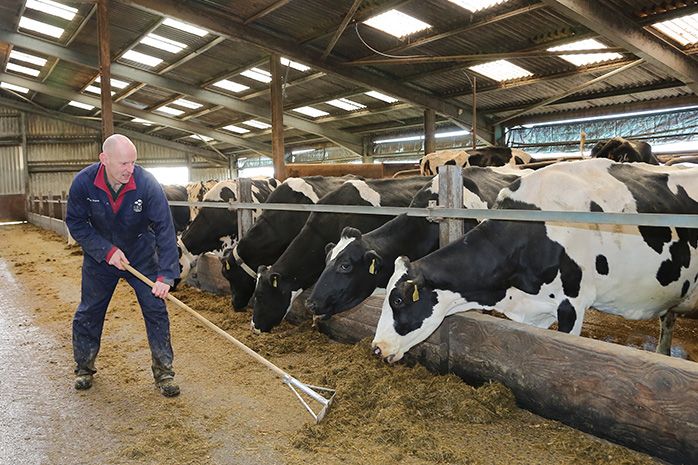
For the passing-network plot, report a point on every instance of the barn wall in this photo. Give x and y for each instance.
(204, 174)
(11, 170)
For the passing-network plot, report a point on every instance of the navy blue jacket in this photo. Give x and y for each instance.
(139, 222)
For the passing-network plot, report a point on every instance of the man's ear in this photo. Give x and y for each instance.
(103, 157)
(374, 261)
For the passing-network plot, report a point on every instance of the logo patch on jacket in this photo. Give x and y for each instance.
(138, 206)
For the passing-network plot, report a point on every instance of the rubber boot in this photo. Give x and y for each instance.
(83, 382)
(168, 387)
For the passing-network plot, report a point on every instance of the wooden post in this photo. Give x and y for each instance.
(64, 206)
(277, 118)
(450, 196)
(51, 205)
(429, 131)
(367, 146)
(244, 215)
(473, 134)
(105, 67)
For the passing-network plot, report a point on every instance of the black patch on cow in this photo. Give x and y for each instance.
(227, 194)
(695, 279)
(514, 186)
(570, 274)
(655, 236)
(450, 163)
(670, 270)
(601, 264)
(684, 289)
(552, 296)
(566, 316)
(595, 207)
(518, 160)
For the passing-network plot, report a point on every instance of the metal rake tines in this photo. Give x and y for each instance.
(311, 391)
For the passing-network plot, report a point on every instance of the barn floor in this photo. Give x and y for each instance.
(232, 410)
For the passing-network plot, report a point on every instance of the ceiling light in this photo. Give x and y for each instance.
(53, 8)
(41, 28)
(476, 5)
(257, 74)
(396, 23)
(379, 96)
(114, 82)
(345, 104)
(21, 56)
(84, 106)
(7, 85)
(295, 65)
(170, 111)
(95, 90)
(185, 27)
(141, 58)
(187, 104)
(233, 128)
(585, 58)
(257, 124)
(683, 30)
(201, 137)
(310, 111)
(23, 69)
(301, 151)
(501, 70)
(142, 121)
(230, 85)
(163, 43)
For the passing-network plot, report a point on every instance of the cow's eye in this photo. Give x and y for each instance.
(397, 301)
(345, 267)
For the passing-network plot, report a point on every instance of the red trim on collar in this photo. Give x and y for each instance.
(99, 182)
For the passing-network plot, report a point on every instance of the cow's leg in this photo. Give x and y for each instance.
(666, 330)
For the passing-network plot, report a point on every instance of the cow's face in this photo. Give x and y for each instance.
(408, 314)
(272, 299)
(241, 284)
(348, 278)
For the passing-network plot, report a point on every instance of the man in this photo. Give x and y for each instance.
(116, 210)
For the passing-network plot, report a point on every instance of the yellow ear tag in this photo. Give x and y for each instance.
(415, 294)
(372, 268)
(227, 265)
(274, 282)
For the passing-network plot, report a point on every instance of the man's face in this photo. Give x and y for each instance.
(119, 164)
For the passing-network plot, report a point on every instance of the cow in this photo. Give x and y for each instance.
(538, 273)
(264, 243)
(487, 156)
(196, 192)
(216, 228)
(303, 261)
(359, 264)
(622, 150)
(180, 214)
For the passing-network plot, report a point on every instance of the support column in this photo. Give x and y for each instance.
(25, 155)
(105, 67)
(450, 196)
(429, 131)
(277, 118)
(367, 155)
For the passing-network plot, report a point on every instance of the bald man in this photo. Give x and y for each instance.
(118, 213)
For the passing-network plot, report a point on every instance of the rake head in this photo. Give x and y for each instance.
(309, 390)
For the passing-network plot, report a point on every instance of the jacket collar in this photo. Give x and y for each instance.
(99, 183)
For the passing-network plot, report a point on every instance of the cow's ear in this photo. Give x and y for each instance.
(261, 269)
(329, 247)
(348, 232)
(274, 279)
(374, 261)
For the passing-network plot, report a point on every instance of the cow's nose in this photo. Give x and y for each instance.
(377, 351)
(254, 328)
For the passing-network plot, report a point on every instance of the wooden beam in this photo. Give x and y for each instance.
(341, 28)
(624, 32)
(262, 13)
(277, 118)
(429, 131)
(193, 54)
(104, 68)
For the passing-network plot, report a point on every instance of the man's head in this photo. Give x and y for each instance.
(118, 157)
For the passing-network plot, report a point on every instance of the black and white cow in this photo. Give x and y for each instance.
(273, 231)
(359, 264)
(486, 156)
(196, 192)
(216, 228)
(303, 261)
(622, 150)
(180, 215)
(538, 273)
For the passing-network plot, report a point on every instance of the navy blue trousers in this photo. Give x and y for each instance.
(98, 283)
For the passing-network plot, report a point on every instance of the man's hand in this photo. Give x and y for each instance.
(161, 289)
(117, 259)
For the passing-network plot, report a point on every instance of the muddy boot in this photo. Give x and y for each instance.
(168, 387)
(83, 382)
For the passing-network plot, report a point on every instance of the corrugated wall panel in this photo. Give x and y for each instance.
(9, 124)
(64, 153)
(11, 170)
(204, 174)
(43, 183)
(41, 126)
(151, 152)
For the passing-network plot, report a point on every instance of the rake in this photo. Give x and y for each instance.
(294, 384)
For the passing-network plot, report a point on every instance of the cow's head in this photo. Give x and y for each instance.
(272, 299)
(409, 313)
(349, 277)
(242, 284)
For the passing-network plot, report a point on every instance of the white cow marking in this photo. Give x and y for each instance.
(341, 245)
(366, 193)
(299, 185)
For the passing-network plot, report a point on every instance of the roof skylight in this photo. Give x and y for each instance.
(257, 74)
(114, 82)
(21, 56)
(23, 69)
(257, 124)
(84, 106)
(396, 23)
(233, 128)
(170, 111)
(293, 64)
(41, 28)
(142, 121)
(187, 103)
(683, 30)
(201, 137)
(7, 85)
(345, 104)
(585, 58)
(501, 70)
(141, 58)
(379, 96)
(53, 8)
(185, 27)
(310, 111)
(230, 85)
(476, 5)
(95, 90)
(163, 43)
